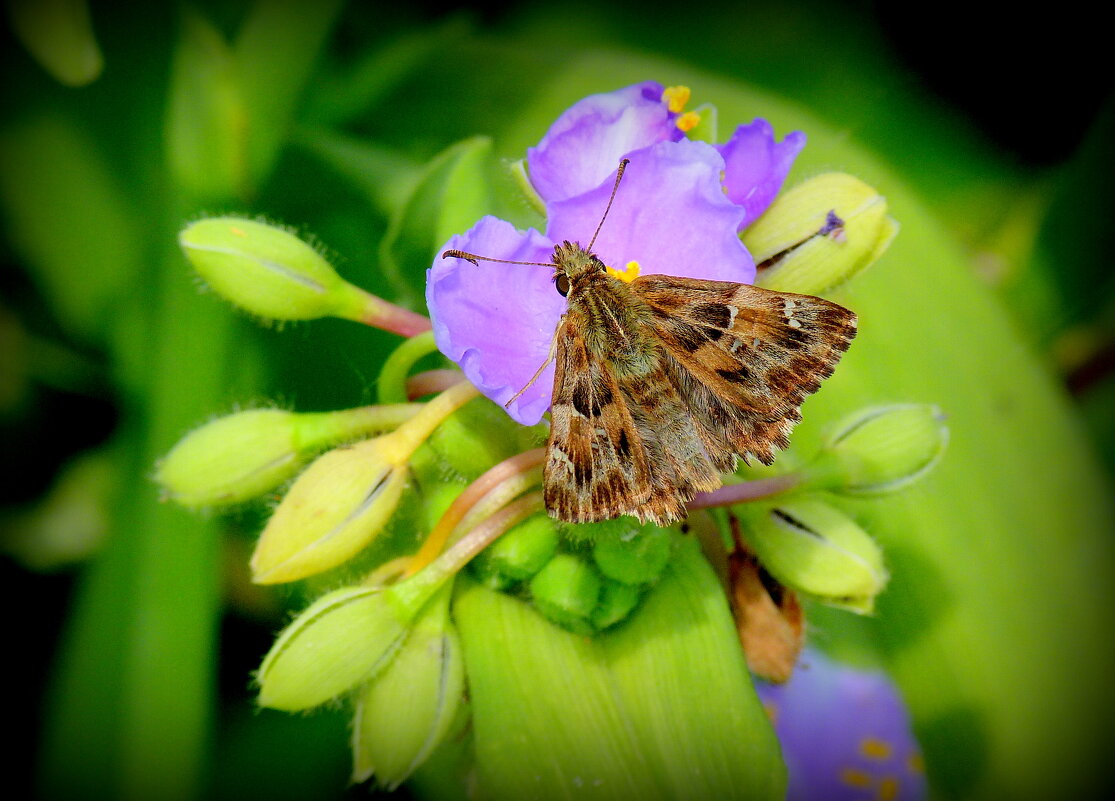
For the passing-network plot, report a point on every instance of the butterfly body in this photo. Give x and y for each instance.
(661, 383)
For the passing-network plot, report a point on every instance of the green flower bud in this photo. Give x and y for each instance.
(267, 270)
(567, 591)
(637, 556)
(346, 497)
(232, 459)
(812, 547)
(819, 234)
(343, 638)
(409, 708)
(334, 509)
(617, 601)
(517, 555)
(244, 455)
(880, 449)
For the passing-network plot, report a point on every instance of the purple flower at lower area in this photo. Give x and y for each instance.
(845, 734)
(756, 166)
(670, 216)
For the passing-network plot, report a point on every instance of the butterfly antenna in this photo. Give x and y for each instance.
(619, 174)
(460, 254)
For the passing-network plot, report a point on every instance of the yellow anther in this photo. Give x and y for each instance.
(628, 274)
(855, 778)
(873, 748)
(675, 97)
(687, 121)
(888, 789)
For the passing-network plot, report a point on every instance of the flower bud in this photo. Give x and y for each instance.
(407, 710)
(241, 456)
(231, 459)
(636, 556)
(819, 234)
(333, 510)
(880, 449)
(342, 638)
(266, 270)
(617, 601)
(517, 555)
(812, 547)
(567, 591)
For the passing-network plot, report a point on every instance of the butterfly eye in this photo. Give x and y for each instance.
(562, 284)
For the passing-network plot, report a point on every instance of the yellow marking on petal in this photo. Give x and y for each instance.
(855, 778)
(871, 747)
(888, 789)
(627, 274)
(688, 121)
(675, 97)
(915, 763)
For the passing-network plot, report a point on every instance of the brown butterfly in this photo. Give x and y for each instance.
(662, 382)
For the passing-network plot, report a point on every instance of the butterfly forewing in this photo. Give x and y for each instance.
(746, 357)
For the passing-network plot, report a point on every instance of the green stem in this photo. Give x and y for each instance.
(391, 386)
(318, 430)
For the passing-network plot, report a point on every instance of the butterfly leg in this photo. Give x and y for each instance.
(538, 372)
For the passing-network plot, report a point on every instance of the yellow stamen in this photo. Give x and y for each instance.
(628, 274)
(888, 789)
(675, 97)
(855, 778)
(873, 748)
(688, 121)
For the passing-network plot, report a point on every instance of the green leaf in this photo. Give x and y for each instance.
(659, 707)
(452, 194)
(70, 220)
(206, 128)
(60, 37)
(276, 50)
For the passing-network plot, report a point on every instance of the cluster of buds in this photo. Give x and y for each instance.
(387, 504)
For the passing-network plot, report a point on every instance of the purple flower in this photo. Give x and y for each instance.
(845, 734)
(756, 166)
(583, 147)
(497, 321)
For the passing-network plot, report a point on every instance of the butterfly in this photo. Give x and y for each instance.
(662, 383)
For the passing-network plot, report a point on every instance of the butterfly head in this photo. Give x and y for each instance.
(572, 264)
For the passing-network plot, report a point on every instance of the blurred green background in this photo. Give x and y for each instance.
(128, 617)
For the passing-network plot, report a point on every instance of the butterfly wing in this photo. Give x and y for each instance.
(618, 445)
(744, 357)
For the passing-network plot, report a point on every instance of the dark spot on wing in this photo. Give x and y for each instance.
(740, 375)
(623, 446)
(714, 314)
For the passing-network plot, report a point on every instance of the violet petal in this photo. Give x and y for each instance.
(845, 734)
(670, 215)
(497, 320)
(756, 166)
(584, 145)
